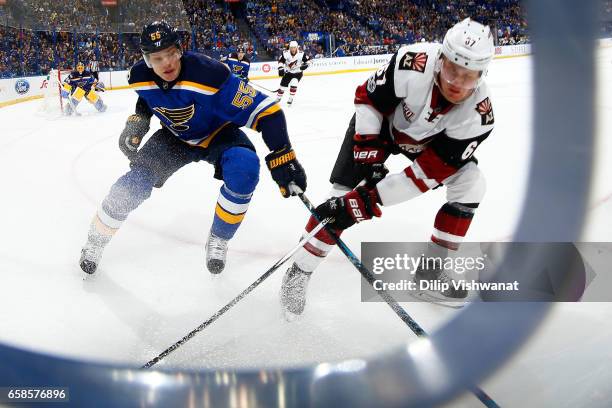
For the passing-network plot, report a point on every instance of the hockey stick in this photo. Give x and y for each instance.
(262, 87)
(237, 299)
(399, 311)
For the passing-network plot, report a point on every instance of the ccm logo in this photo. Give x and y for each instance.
(357, 214)
(366, 154)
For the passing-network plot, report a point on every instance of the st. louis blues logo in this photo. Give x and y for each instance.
(485, 109)
(177, 117)
(414, 61)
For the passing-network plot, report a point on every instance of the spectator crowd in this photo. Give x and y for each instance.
(37, 35)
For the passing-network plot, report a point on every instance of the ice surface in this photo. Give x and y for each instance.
(152, 287)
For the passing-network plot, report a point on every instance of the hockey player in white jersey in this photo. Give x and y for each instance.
(429, 103)
(291, 66)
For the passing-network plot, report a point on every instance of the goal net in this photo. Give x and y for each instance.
(53, 105)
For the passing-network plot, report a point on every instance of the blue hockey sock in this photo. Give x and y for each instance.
(240, 167)
(229, 212)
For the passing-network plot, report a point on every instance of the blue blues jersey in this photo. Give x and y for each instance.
(85, 80)
(203, 99)
(238, 67)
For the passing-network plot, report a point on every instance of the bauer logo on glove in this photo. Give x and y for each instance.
(358, 205)
(366, 155)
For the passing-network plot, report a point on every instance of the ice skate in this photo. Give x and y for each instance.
(439, 288)
(69, 109)
(92, 251)
(216, 252)
(293, 291)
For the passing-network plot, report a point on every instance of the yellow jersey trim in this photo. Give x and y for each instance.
(207, 89)
(271, 110)
(206, 142)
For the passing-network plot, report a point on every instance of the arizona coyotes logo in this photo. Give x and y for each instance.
(292, 64)
(178, 117)
(413, 61)
(485, 109)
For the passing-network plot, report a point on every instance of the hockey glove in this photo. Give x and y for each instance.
(135, 130)
(374, 173)
(281, 71)
(100, 87)
(303, 66)
(369, 154)
(368, 149)
(358, 205)
(285, 170)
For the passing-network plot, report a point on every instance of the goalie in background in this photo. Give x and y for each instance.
(81, 83)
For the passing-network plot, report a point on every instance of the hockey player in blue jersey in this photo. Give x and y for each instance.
(82, 83)
(201, 106)
(238, 63)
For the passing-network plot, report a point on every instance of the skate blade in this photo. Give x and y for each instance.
(87, 277)
(291, 317)
(452, 304)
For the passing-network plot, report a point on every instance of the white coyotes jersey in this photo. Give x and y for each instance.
(414, 122)
(401, 102)
(293, 62)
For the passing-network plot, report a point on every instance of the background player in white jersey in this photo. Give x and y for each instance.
(430, 104)
(291, 66)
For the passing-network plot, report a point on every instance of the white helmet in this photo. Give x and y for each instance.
(469, 44)
(293, 44)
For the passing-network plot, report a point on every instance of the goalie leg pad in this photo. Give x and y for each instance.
(92, 96)
(66, 90)
(78, 94)
(99, 105)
